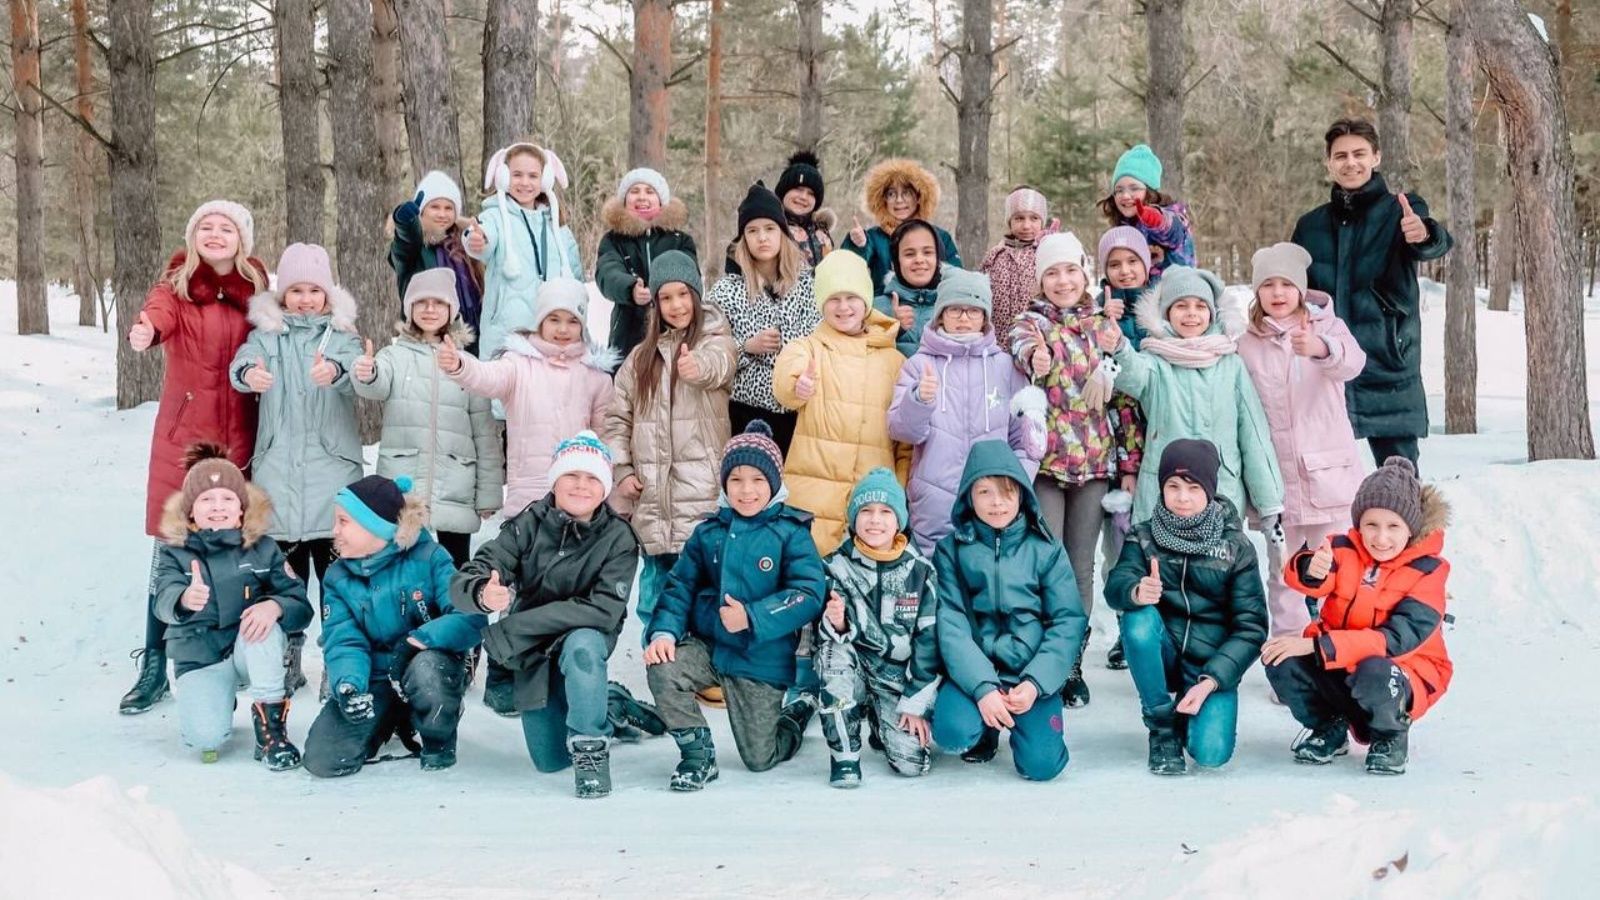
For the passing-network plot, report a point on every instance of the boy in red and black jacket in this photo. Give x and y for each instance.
(1374, 661)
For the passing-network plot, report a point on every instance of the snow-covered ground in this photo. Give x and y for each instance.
(1500, 800)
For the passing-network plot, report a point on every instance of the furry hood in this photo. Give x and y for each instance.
(617, 217)
(822, 219)
(257, 518)
(1435, 513)
(894, 171)
(413, 516)
(596, 356)
(458, 331)
(266, 310)
(1230, 319)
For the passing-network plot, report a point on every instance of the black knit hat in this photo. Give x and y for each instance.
(901, 232)
(760, 203)
(1192, 460)
(805, 170)
(375, 502)
(754, 447)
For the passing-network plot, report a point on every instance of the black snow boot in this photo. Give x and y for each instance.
(699, 763)
(1323, 744)
(272, 738)
(436, 756)
(792, 722)
(294, 677)
(591, 768)
(630, 717)
(984, 750)
(152, 684)
(844, 773)
(1387, 754)
(498, 690)
(1075, 693)
(1115, 659)
(1166, 749)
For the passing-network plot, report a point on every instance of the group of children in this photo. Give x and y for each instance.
(864, 481)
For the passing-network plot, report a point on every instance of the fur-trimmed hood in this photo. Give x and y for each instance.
(824, 219)
(596, 356)
(266, 310)
(1230, 319)
(616, 216)
(894, 171)
(413, 516)
(459, 331)
(1435, 514)
(175, 527)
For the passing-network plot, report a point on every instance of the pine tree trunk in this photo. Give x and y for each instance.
(388, 98)
(85, 160)
(33, 307)
(1461, 308)
(136, 239)
(647, 84)
(1163, 110)
(809, 53)
(298, 83)
(714, 233)
(1394, 97)
(1523, 79)
(362, 257)
(510, 73)
(1502, 247)
(974, 109)
(432, 129)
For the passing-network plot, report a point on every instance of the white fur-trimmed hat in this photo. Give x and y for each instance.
(236, 213)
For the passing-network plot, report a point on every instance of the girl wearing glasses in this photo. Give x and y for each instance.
(897, 190)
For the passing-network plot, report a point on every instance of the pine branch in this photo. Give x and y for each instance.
(1364, 11)
(606, 42)
(80, 121)
(1350, 67)
(1138, 94)
(260, 27)
(675, 78)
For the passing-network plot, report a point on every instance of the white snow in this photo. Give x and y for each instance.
(1499, 800)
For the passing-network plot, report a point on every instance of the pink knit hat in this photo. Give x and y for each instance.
(1026, 199)
(305, 264)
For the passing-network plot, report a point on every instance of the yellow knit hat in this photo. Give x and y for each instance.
(842, 273)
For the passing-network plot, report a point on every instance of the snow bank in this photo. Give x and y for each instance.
(95, 840)
(1531, 850)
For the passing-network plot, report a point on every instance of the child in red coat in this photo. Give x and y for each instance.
(1374, 661)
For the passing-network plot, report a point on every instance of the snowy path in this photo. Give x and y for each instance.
(1487, 809)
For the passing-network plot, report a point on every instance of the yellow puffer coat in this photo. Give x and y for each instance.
(843, 432)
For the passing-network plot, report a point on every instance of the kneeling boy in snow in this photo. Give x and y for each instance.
(561, 571)
(878, 655)
(1375, 660)
(747, 581)
(223, 589)
(1194, 611)
(394, 649)
(1010, 621)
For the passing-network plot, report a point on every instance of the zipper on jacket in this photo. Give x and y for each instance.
(1183, 581)
(177, 419)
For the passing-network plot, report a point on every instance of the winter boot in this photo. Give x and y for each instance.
(1387, 754)
(984, 750)
(498, 690)
(792, 722)
(435, 756)
(591, 768)
(627, 712)
(1323, 744)
(1075, 693)
(1166, 748)
(152, 684)
(1115, 659)
(294, 677)
(844, 773)
(272, 739)
(699, 763)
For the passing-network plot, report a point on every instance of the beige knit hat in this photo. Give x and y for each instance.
(1281, 260)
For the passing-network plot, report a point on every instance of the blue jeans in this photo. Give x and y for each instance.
(652, 581)
(206, 697)
(1160, 677)
(576, 709)
(1037, 748)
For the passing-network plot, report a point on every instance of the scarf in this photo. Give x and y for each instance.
(1196, 535)
(1201, 352)
(895, 551)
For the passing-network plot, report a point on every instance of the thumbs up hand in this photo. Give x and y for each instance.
(904, 314)
(641, 292)
(834, 610)
(1305, 343)
(476, 241)
(1412, 228)
(1040, 358)
(1114, 307)
(858, 235)
(734, 616)
(929, 385)
(805, 387)
(197, 594)
(323, 371)
(1148, 591)
(494, 596)
(257, 378)
(1321, 561)
(1149, 216)
(365, 366)
(142, 334)
(688, 367)
(448, 356)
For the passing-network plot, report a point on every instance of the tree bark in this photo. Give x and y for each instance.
(974, 109)
(1163, 109)
(298, 83)
(388, 98)
(85, 160)
(649, 113)
(1502, 246)
(362, 257)
(809, 50)
(1461, 308)
(432, 128)
(1524, 80)
(33, 305)
(510, 73)
(713, 198)
(1394, 95)
(136, 241)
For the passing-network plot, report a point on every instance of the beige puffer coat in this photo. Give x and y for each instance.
(674, 443)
